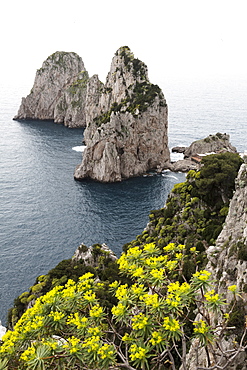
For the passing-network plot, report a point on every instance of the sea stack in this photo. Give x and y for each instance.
(126, 123)
(59, 91)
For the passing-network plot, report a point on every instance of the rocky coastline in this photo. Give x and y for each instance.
(193, 154)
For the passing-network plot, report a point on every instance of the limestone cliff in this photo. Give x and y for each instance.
(228, 265)
(126, 133)
(91, 255)
(228, 259)
(59, 91)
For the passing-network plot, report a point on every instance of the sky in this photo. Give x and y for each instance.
(175, 38)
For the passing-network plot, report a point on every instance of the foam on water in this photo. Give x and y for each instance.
(80, 148)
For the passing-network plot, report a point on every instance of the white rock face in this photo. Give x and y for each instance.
(91, 255)
(58, 92)
(126, 133)
(232, 241)
(70, 107)
(228, 265)
(2, 330)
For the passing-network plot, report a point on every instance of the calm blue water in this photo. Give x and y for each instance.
(45, 214)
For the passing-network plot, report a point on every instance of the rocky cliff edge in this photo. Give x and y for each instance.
(227, 261)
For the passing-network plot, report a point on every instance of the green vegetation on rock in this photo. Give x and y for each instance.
(139, 96)
(196, 209)
(105, 269)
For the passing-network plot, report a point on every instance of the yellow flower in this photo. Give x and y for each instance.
(79, 322)
(72, 344)
(86, 276)
(157, 274)
(89, 296)
(57, 316)
(139, 321)
(96, 311)
(28, 355)
(137, 352)
(193, 249)
(122, 262)
(202, 275)
(171, 324)
(170, 247)
(138, 289)
(156, 262)
(177, 289)
(173, 287)
(53, 344)
(95, 331)
(126, 338)
(134, 252)
(69, 292)
(92, 344)
(139, 272)
(171, 265)
(156, 338)
(106, 351)
(232, 288)
(121, 292)
(114, 285)
(37, 322)
(211, 297)
(201, 327)
(118, 310)
(173, 300)
(152, 300)
(150, 248)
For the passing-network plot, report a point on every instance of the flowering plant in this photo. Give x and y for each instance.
(153, 322)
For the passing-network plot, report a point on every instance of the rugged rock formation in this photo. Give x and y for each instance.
(59, 91)
(126, 133)
(184, 165)
(217, 143)
(213, 143)
(228, 260)
(90, 255)
(228, 265)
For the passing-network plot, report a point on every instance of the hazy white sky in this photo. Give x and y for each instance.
(175, 38)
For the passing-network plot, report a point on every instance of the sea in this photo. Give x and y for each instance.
(45, 214)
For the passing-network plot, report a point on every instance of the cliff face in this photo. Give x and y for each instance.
(126, 133)
(228, 265)
(228, 260)
(58, 92)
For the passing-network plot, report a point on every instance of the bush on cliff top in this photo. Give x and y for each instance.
(195, 209)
